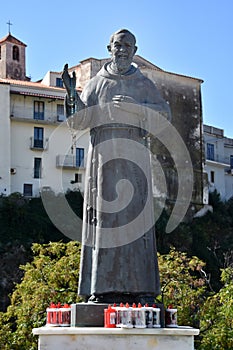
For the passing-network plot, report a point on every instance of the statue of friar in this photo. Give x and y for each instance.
(119, 256)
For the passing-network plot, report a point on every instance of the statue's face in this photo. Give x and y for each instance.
(123, 49)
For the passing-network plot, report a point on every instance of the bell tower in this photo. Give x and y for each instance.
(12, 58)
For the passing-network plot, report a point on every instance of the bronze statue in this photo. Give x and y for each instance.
(113, 105)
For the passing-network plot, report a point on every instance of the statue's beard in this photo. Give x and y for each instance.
(122, 63)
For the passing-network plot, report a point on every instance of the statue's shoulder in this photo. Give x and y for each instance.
(91, 89)
(147, 82)
(93, 82)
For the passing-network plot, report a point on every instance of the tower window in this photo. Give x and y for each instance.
(15, 53)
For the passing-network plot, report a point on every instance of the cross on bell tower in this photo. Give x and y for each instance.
(9, 26)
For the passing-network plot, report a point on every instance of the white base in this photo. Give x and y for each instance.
(92, 338)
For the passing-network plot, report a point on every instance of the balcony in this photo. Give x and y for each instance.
(68, 161)
(219, 158)
(61, 118)
(39, 145)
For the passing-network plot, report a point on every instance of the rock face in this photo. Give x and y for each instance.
(10, 261)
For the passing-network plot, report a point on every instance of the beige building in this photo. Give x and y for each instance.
(219, 161)
(39, 152)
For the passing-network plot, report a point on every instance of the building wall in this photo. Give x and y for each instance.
(9, 67)
(58, 142)
(50, 78)
(3, 61)
(5, 140)
(15, 69)
(218, 167)
(229, 186)
(183, 94)
(218, 184)
(23, 107)
(57, 139)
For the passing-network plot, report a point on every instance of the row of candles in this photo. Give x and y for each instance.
(124, 316)
(138, 316)
(58, 315)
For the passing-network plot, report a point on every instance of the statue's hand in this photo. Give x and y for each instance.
(69, 82)
(127, 104)
(123, 98)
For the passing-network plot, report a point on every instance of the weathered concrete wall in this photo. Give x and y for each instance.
(183, 94)
(9, 67)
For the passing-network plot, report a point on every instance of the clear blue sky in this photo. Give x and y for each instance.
(190, 37)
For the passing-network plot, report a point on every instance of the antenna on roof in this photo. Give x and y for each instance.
(9, 26)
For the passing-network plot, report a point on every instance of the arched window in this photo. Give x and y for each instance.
(0, 52)
(15, 53)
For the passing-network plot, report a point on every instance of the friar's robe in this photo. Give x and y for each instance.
(125, 260)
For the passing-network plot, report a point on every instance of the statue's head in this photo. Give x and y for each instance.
(122, 48)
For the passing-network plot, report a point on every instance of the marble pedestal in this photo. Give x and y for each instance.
(98, 338)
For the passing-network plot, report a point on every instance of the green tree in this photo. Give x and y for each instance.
(182, 285)
(51, 276)
(24, 221)
(217, 316)
(209, 237)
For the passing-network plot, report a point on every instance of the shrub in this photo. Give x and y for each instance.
(217, 316)
(182, 285)
(51, 276)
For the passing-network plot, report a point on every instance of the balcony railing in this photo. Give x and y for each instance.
(67, 161)
(37, 144)
(38, 115)
(219, 159)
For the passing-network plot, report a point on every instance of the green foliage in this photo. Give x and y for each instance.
(213, 238)
(217, 316)
(24, 221)
(51, 276)
(182, 285)
(210, 238)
